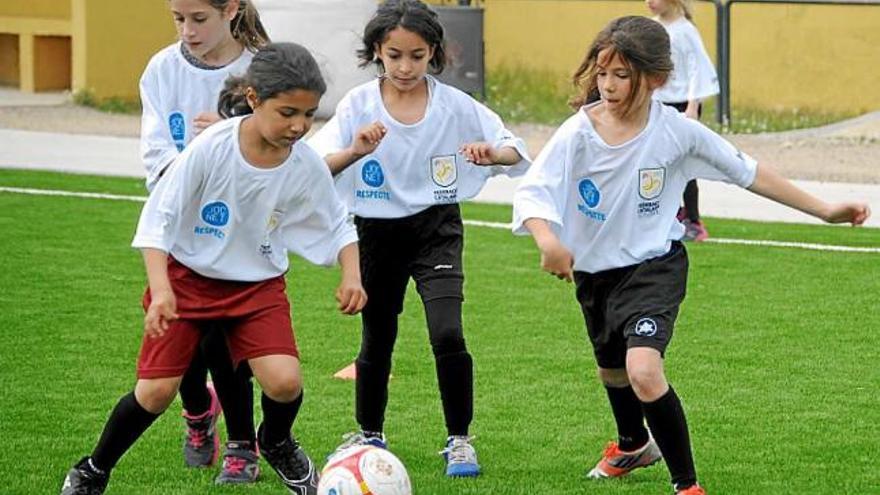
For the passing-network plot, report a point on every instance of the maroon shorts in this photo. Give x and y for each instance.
(254, 315)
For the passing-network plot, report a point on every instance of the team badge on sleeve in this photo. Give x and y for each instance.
(443, 170)
(651, 182)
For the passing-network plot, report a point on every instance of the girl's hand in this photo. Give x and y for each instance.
(367, 139)
(351, 297)
(854, 213)
(557, 260)
(480, 153)
(162, 310)
(205, 120)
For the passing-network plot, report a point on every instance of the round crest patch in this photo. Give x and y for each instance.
(372, 174)
(216, 213)
(589, 193)
(646, 327)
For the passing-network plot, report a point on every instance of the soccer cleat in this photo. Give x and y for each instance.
(296, 470)
(358, 438)
(616, 463)
(460, 457)
(201, 445)
(691, 490)
(82, 479)
(241, 464)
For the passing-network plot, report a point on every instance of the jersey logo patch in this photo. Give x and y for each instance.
(646, 327)
(651, 182)
(216, 213)
(177, 126)
(371, 173)
(589, 193)
(443, 170)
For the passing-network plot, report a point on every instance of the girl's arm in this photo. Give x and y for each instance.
(163, 304)
(483, 153)
(157, 148)
(555, 258)
(366, 140)
(770, 184)
(350, 294)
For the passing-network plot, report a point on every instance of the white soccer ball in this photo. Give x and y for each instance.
(362, 470)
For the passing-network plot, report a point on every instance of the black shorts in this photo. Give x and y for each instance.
(633, 306)
(426, 246)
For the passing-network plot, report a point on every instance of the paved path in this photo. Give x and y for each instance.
(105, 155)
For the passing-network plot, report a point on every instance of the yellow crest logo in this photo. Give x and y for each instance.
(651, 182)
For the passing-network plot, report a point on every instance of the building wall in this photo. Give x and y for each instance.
(793, 56)
(59, 9)
(114, 40)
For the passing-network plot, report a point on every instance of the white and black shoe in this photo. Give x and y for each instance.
(83, 479)
(293, 466)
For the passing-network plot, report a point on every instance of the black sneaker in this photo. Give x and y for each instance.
(82, 479)
(293, 466)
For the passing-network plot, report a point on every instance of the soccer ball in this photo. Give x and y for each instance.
(364, 470)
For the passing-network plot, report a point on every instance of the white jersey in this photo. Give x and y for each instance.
(615, 206)
(415, 166)
(173, 92)
(226, 219)
(693, 75)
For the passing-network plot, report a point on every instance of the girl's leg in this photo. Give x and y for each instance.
(692, 201)
(193, 394)
(455, 374)
(131, 417)
(664, 413)
(279, 376)
(384, 277)
(281, 381)
(626, 408)
(234, 387)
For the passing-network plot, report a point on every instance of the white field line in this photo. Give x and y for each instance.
(475, 223)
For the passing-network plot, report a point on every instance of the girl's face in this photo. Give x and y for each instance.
(201, 27)
(405, 56)
(614, 80)
(286, 117)
(659, 7)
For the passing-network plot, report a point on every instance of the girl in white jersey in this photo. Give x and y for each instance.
(406, 149)
(179, 91)
(215, 235)
(601, 201)
(692, 80)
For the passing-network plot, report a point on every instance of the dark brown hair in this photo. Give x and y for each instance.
(411, 15)
(246, 26)
(276, 68)
(642, 45)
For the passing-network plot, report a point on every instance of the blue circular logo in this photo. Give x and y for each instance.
(589, 193)
(216, 213)
(372, 174)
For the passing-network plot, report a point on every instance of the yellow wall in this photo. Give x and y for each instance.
(37, 8)
(809, 56)
(804, 56)
(114, 40)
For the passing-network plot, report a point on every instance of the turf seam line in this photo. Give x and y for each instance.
(475, 223)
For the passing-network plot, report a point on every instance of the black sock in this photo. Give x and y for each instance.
(193, 393)
(234, 387)
(278, 418)
(455, 377)
(128, 421)
(627, 410)
(371, 394)
(668, 425)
